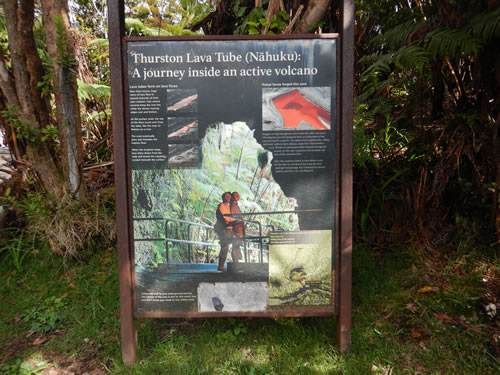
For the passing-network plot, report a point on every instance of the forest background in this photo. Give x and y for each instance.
(426, 169)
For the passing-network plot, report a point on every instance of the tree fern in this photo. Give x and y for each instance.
(446, 42)
(133, 26)
(87, 90)
(377, 62)
(375, 88)
(99, 43)
(362, 153)
(485, 26)
(406, 58)
(98, 116)
(136, 27)
(398, 36)
(375, 100)
(412, 57)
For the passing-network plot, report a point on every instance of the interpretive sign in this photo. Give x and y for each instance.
(233, 163)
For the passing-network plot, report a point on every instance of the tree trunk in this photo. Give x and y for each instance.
(273, 8)
(496, 203)
(496, 147)
(437, 89)
(22, 93)
(314, 13)
(61, 52)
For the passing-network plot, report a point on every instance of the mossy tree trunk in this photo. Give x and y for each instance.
(61, 52)
(23, 95)
(24, 88)
(314, 13)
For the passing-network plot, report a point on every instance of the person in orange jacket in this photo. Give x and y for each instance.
(224, 228)
(237, 226)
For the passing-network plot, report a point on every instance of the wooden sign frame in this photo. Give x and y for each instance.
(342, 233)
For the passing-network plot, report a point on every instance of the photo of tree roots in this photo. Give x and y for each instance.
(426, 276)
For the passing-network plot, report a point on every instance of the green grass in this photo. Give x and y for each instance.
(396, 328)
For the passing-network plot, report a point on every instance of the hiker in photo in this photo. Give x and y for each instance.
(224, 228)
(237, 227)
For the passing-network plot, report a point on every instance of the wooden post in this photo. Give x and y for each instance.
(345, 246)
(116, 24)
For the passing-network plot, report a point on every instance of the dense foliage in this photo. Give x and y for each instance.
(427, 120)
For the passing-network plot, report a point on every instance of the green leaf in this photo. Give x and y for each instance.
(241, 11)
(284, 15)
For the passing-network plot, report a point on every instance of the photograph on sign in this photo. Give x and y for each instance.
(232, 155)
(303, 108)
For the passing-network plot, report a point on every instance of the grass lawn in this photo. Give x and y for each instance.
(413, 313)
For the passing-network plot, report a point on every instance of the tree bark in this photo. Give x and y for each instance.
(438, 89)
(61, 51)
(273, 8)
(33, 61)
(7, 84)
(22, 93)
(496, 147)
(314, 13)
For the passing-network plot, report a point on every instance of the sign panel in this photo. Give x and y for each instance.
(232, 148)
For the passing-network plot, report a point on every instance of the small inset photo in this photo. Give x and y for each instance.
(184, 155)
(296, 108)
(182, 100)
(182, 128)
(232, 296)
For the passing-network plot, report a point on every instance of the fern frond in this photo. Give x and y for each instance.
(178, 29)
(87, 90)
(136, 27)
(98, 116)
(362, 114)
(406, 58)
(375, 89)
(378, 63)
(133, 26)
(382, 106)
(485, 26)
(412, 57)
(446, 42)
(99, 43)
(155, 31)
(397, 37)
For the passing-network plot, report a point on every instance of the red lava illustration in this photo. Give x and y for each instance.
(295, 108)
(183, 130)
(184, 102)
